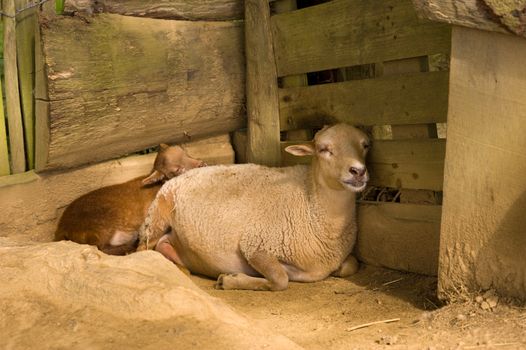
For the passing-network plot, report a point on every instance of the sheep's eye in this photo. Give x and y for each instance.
(325, 150)
(366, 146)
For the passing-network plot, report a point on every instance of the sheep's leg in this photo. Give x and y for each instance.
(165, 247)
(349, 267)
(274, 275)
(155, 224)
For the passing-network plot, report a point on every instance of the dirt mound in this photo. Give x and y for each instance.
(65, 295)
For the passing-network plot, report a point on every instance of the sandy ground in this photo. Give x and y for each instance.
(321, 315)
(68, 296)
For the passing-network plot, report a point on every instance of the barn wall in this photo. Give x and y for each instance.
(483, 239)
(122, 84)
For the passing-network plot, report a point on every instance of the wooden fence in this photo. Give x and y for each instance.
(17, 119)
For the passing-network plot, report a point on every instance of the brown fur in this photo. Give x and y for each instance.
(96, 217)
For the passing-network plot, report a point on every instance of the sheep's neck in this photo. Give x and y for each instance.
(339, 203)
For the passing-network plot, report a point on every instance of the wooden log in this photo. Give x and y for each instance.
(120, 84)
(262, 88)
(25, 36)
(412, 164)
(408, 99)
(191, 10)
(12, 95)
(399, 236)
(492, 15)
(359, 32)
(43, 197)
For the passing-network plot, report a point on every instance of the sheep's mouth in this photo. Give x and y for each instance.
(355, 185)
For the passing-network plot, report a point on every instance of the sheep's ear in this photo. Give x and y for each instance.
(154, 177)
(300, 150)
(163, 146)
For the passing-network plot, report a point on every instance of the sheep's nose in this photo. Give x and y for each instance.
(358, 171)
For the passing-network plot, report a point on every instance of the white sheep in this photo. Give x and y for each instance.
(239, 222)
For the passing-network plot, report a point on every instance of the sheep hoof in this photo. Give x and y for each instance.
(226, 281)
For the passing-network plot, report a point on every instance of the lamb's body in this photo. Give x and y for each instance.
(300, 234)
(240, 221)
(110, 217)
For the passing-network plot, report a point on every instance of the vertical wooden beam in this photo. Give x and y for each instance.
(25, 34)
(263, 144)
(4, 152)
(14, 115)
(42, 131)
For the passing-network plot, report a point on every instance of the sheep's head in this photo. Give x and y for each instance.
(170, 162)
(339, 153)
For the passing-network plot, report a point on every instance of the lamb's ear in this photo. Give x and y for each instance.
(163, 146)
(300, 150)
(154, 177)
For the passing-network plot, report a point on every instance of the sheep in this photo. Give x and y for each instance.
(110, 217)
(257, 228)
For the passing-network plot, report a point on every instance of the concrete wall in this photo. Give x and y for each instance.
(483, 233)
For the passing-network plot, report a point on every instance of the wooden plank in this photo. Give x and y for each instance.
(122, 84)
(406, 99)
(42, 130)
(483, 237)
(5, 169)
(412, 164)
(190, 10)
(493, 15)
(25, 36)
(14, 114)
(399, 236)
(358, 32)
(216, 149)
(261, 87)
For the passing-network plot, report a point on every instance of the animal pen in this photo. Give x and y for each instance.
(92, 86)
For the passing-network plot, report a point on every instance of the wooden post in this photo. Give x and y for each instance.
(4, 153)
(14, 115)
(263, 144)
(25, 34)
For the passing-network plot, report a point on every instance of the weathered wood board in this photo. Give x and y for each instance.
(191, 10)
(493, 15)
(411, 164)
(358, 32)
(30, 204)
(120, 84)
(483, 238)
(12, 92)
(403, 99)
(399, 236)
(25, 36)
(261, 86)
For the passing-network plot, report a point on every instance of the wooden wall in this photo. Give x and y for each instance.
(114, 83)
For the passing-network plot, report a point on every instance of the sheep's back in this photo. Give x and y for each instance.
(216, 206)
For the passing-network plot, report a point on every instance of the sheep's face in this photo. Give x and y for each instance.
(340, 152)
(170, 162)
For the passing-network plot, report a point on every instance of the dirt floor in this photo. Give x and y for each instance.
(321, 315)
(68, 296)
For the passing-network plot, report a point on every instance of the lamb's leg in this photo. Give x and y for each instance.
(155, 224)
(274, 275)
(349, 267)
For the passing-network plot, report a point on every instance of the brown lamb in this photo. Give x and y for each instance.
(110, 217)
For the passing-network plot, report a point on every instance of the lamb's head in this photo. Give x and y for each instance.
(170, 162)
(339, 153)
